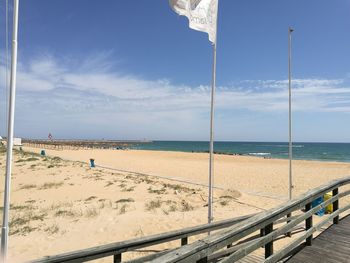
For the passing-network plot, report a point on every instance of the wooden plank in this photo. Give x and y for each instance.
(331, 246)
(283, 252)
(280, 231)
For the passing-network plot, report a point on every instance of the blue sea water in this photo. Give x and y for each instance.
(339, 152)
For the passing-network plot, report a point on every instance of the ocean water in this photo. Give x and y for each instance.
(338, 152)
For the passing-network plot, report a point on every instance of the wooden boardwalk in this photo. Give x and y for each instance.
(331, 246)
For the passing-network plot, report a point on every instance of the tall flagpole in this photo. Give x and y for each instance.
(211, 146)
(290, 30)
(11, 115)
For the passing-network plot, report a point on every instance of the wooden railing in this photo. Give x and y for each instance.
(236, 241)
(206, 249)
(116, 249)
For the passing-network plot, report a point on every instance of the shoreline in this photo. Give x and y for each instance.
(239, 154)
(217, 153)
(306, 151)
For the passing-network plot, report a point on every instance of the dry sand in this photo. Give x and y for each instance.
(246, 174)
(59, 205)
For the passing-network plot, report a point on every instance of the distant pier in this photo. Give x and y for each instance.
(82, 144)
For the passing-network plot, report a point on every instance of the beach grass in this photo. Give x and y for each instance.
(50, 185)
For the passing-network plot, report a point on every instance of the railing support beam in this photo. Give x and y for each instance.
(289, 234)
(308, 225)
(262, 233)
(203, 260)
(117, 258)
(269, 246)
(335, 206)
(184, 241)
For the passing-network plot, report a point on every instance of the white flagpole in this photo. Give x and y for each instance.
(290, 30)
(211, 146)
(5, 222)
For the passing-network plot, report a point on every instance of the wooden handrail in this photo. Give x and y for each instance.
(288, 248)
(201, 249)
(120, 247)
(282, 230)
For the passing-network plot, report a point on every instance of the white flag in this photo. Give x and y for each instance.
(202, 14)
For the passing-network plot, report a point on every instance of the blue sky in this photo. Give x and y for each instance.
(132, 69)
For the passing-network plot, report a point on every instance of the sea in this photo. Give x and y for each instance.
(335, 152)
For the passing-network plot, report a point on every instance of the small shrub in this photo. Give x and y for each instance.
(130, 189)
(23, 231)
(91, 212)
(91, 198)
(172, 208)
(52, 229)
(224, 202)
(178, 187)
(27, 186)
(30, 159)
(185, 206)
(65, 213)
(20, 207)
(156, 191)
(50, 185)
(127, 200)
(153, 204)
(108, 184)
(123, 209)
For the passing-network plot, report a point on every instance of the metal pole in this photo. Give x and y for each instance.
(7, 57)
(211, 146)
(290, 30)
(5, 222)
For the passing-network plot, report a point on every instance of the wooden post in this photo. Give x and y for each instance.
(262, 233)
(269, 246)
(289, 234)
(335, 206)
(203, 260)
(117, 258)
(184, 241)
(308, 225)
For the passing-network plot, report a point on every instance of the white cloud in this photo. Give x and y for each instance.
(59, 79)
(48, 86)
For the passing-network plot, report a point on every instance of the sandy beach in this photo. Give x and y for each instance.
(253, 175)
(60, 204)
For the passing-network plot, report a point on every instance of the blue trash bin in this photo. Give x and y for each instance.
(315, 203)
(42, 153)
(92, 163)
